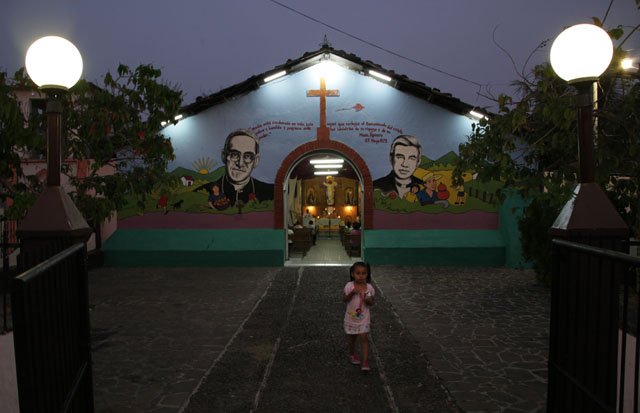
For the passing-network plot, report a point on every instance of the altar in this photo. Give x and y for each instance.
(329, 225)
(329, 222)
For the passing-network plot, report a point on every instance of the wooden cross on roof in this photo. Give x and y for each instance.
(323, 130)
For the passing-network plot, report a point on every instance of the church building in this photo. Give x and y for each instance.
(327, 140)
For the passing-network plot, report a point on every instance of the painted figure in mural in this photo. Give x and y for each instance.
(241, 155)
(460, 194)
(429, 194)
(311, 196)
(331, 185)
(348, 196)
(217, 199)
(162, 203)
(412, 195)
(404, 155)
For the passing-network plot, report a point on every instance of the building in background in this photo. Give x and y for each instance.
(251, 150)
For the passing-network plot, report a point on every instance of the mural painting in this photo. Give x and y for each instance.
(236, 187)
(230, 188)
(408, 145)
(420, 193)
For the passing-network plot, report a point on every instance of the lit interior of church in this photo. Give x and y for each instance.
(324, 196)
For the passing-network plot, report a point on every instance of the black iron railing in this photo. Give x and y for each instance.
(51, 334)
(595, 318)
(8, 243)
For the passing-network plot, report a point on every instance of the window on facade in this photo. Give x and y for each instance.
(37, 111)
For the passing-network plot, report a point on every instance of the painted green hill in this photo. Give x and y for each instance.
(425, 161)
(211, 176)
(447, 159)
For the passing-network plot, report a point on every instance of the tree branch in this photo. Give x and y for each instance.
(629, 35)
(607, 13)
(493, 38)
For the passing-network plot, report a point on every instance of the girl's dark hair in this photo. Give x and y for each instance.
(360, 264)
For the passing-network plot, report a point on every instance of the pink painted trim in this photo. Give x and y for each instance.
(184, 220)
(470, 220)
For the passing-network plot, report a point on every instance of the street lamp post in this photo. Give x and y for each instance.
(585, 293)
(54, 222)
(579, 55)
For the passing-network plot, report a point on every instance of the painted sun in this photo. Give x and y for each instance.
(203, 166)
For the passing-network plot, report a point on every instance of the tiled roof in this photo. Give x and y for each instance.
(400, 82)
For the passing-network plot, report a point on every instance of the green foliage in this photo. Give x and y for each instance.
(537, 218)
(114, 127)
(16, 136)
(531, 145)
(118, 126)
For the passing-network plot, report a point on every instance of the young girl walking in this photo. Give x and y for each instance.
(358, 294)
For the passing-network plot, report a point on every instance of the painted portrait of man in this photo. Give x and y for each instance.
(241, 155)
(404, 154)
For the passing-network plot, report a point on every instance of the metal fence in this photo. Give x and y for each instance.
(8, 243)
(595, 317)
(51, 334)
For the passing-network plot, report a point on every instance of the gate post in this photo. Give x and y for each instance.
(583, 335)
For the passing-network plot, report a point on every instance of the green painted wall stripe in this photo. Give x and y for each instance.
(461, 256)
(437, 238)
(195, 248)
(510, 211)
(434, 247)
(196, 240)
(194, 258)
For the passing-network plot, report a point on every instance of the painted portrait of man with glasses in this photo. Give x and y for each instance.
(241, 155)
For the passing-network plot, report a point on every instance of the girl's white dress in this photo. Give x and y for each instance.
(357, 318)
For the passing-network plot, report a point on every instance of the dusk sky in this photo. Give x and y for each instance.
(204, 46)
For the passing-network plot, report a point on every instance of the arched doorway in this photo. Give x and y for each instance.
(319, 146)
(354, 199)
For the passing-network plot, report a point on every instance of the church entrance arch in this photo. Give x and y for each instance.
(316, 147)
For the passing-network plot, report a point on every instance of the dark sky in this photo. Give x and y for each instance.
(203, 46)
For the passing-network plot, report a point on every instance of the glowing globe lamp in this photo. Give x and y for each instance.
(53, 62)
(581, 53)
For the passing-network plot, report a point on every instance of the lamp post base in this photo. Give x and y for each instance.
(589, 215)
(51, 225)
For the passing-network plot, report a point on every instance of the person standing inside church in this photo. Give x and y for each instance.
(405, 156)
(306, 218)
(241, 155)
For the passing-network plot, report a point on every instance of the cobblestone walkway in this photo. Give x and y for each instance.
(156, 331)
(484, 330)
(271, 340)
(291, 356)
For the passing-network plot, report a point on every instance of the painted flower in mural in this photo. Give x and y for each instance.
(393, 195)
(221, 204)
(252, 196)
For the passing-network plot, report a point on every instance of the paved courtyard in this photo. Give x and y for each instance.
(271, 340)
